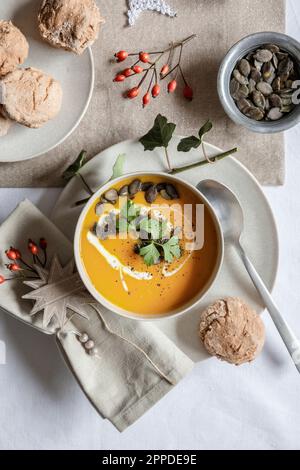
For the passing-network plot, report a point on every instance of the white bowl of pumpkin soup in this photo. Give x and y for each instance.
(148, 246)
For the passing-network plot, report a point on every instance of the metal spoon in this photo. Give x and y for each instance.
(230, 214)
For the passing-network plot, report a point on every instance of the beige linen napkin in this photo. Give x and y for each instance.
(111, 119)
(136, 363)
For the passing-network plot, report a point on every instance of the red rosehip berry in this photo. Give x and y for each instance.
(43, 243)
(121, 56)
(11, 254)
(144, 57)
(188, 92)
(137, 69)
(146, 99)
(164, 70)
(119, 78)
(14, 267)
(18, 254)
(155, 90)
(2, 279)
(133, 93)
(32, 247)
(172, 86)
(127, 72)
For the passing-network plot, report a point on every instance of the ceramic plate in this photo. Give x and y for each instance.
(75, 73)
(260, 237)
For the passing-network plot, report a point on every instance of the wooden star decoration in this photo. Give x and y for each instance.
(56, 292)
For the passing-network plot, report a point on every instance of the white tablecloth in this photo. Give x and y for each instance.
(218, 406)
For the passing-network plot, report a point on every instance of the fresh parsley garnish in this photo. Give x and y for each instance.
(155, 250)
(171, 249)
(150, 254)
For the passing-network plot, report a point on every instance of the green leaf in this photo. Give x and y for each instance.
(73, 169)
(118, 168)
(160, 134)
(193, 142)
(150, 253)
(188, 143)
(171, 249)
(205, 129)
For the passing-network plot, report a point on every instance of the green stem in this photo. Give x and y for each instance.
(174, 171)
(85, 184)
(168, 159)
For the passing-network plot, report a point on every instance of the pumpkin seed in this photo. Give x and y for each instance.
(160, 186)
(276, 85)
(151, 194)
(146, 185)
(287, 109)
(285, 66)
(267, 70)
(258, 65)
(259, 99)
(111, 195)
(243, 104)
(255, 113)
(281, 55)
(275, 61)
(243, 91)
(123, 191)
(286, 101)
(102, 231)
(263, 55)
(255, 75)
(240, 78)
(275, 101)
(249, 56)
(172, 191)
(264, 88)
(134, 187)
(271, 79)
(251, 86)
(99, 209)
(274, 114)
(244, 67)
(234, 88)
(272, 47)
(165, 195)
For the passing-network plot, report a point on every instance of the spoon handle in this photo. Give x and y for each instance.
(290, 340)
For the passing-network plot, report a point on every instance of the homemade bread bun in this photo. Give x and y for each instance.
(30, 97)
(69, 24)
(13, 47)
(231, 330)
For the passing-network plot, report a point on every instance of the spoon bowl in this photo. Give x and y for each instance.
(227, 207)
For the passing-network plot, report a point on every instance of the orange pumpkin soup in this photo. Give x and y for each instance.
(145, 265)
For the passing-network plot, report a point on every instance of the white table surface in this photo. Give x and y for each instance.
(217, 406)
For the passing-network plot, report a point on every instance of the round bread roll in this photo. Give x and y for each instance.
(5, 123)
(231, 330)
(30, 97)
(72, 25)
(13, 47)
